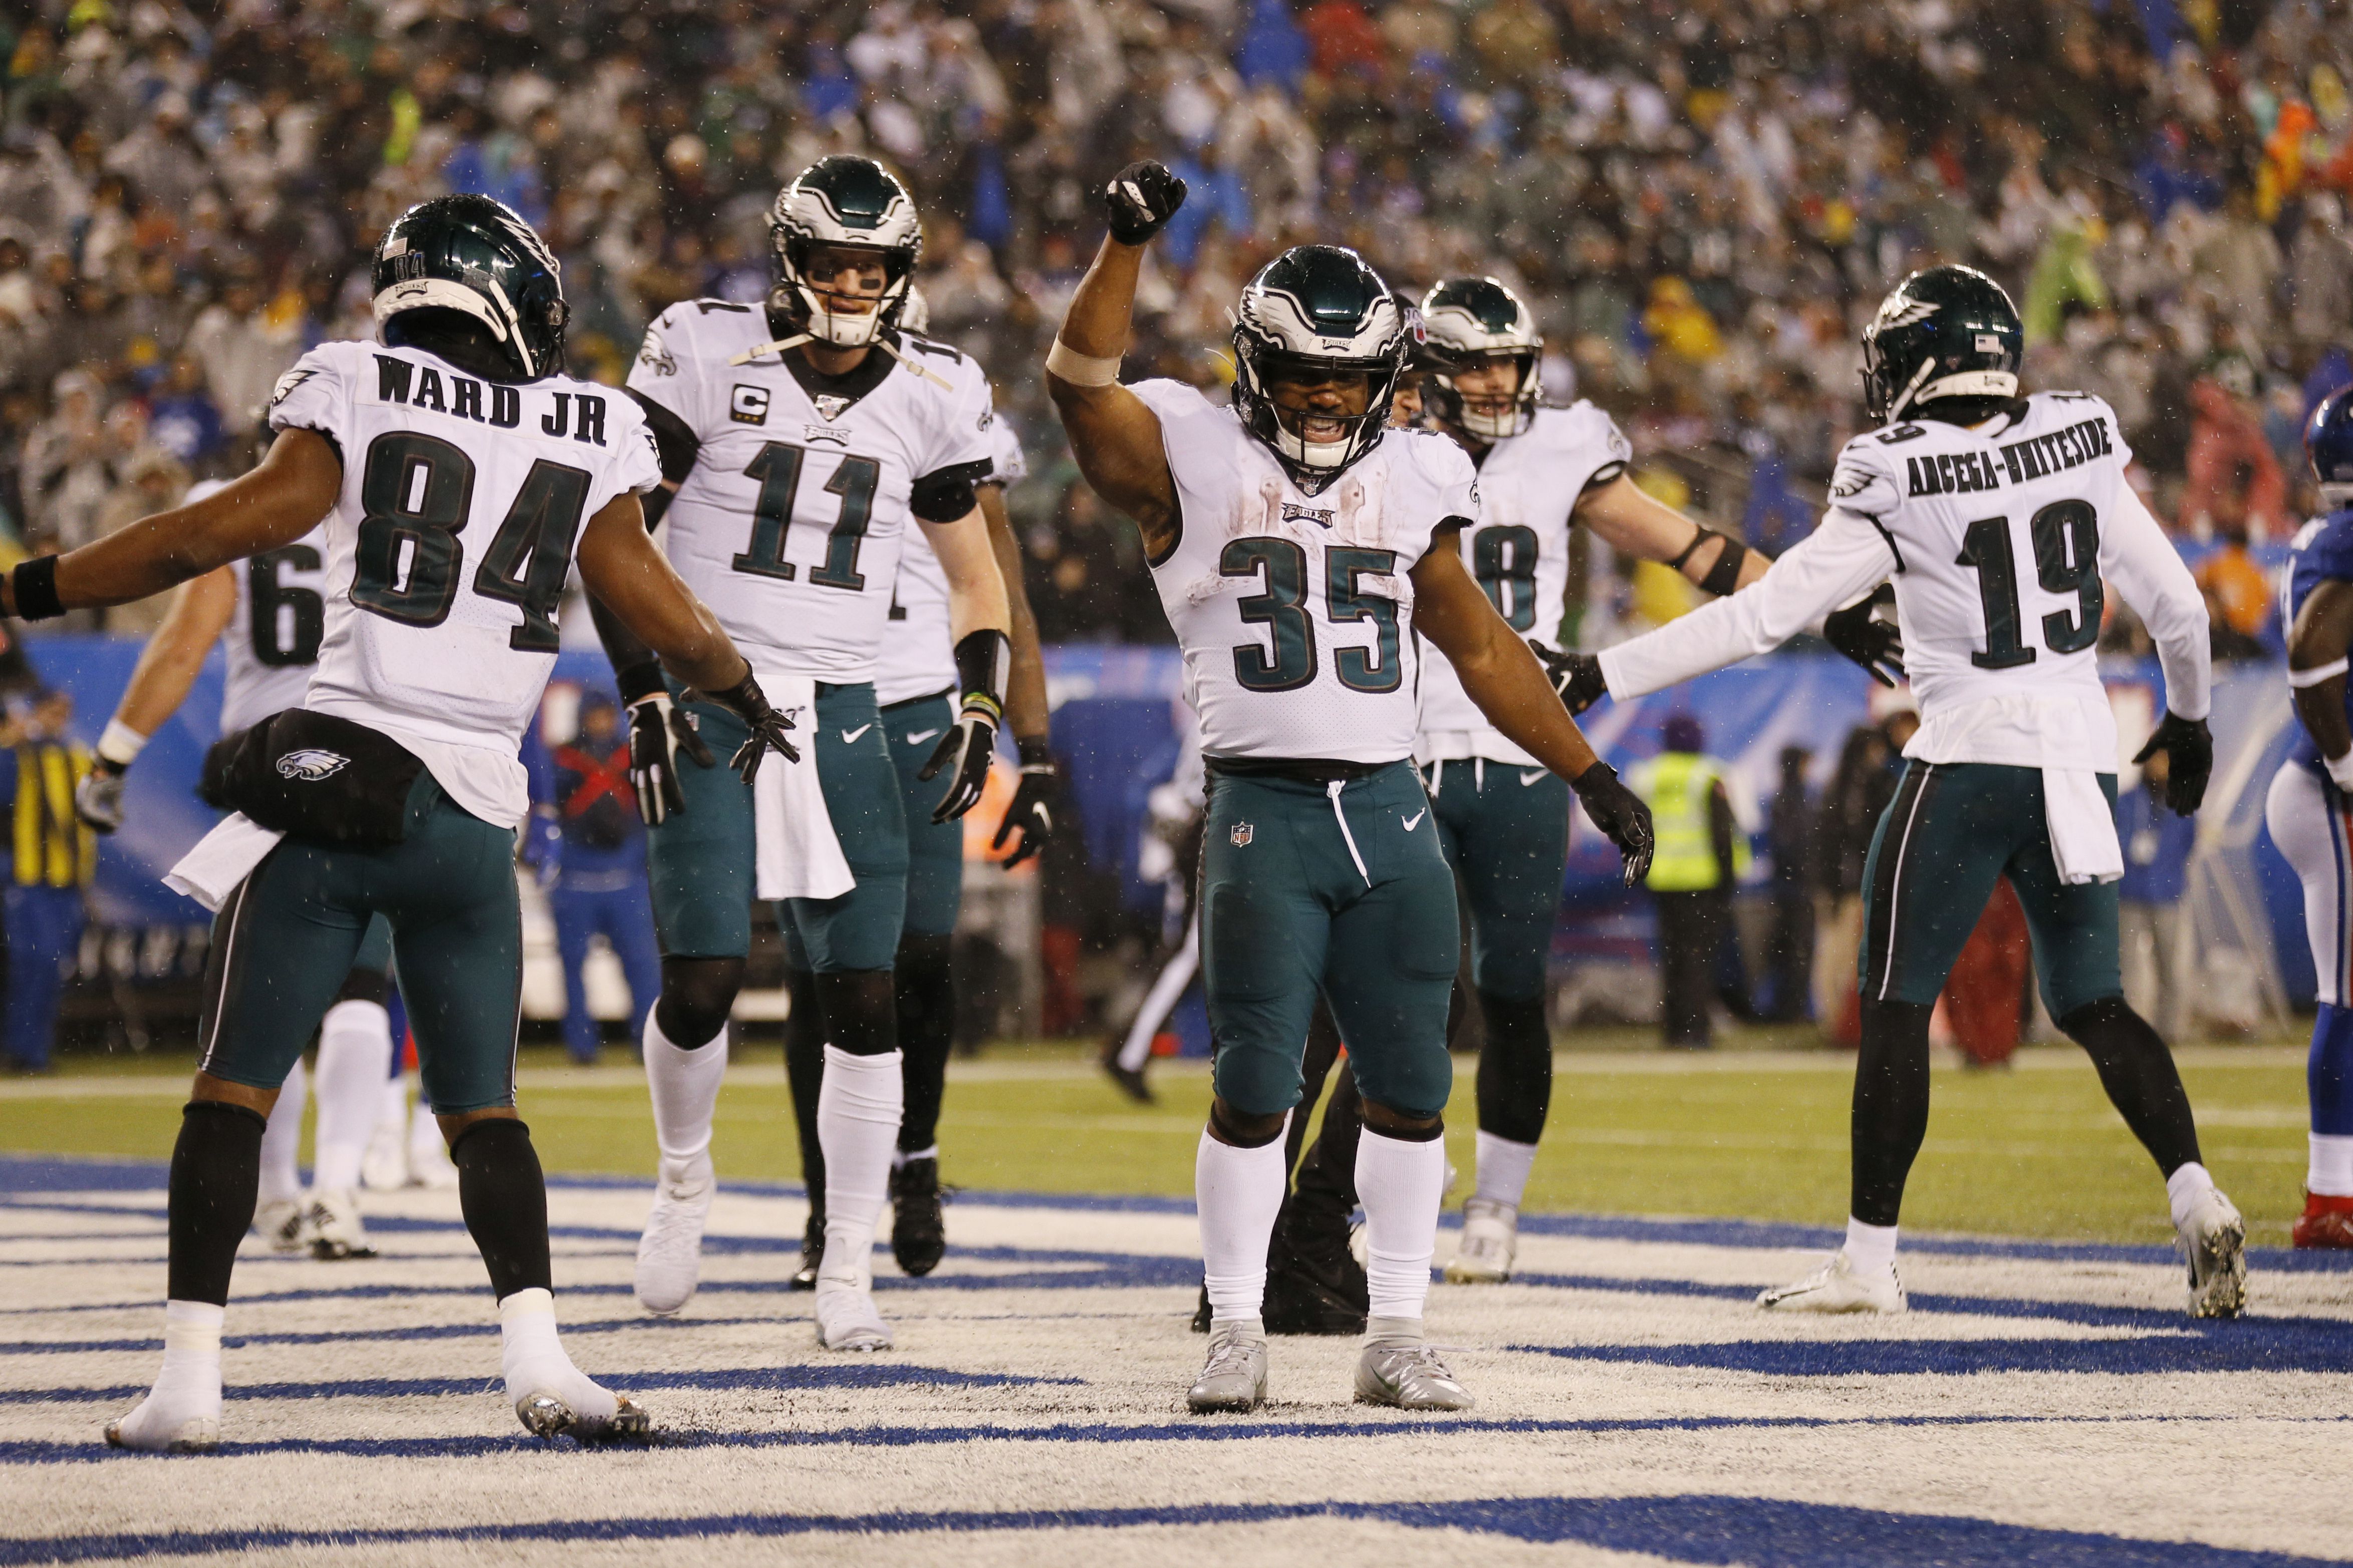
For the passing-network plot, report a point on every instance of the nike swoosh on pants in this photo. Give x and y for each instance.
(1529, 776)
(1415, 820)
(920, 736)
(850, 737)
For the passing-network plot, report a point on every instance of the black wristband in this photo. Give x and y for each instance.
(984, 662)
(1037, 750)
(639, 683)
(34, 586)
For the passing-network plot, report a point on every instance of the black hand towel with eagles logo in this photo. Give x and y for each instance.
(315, 776)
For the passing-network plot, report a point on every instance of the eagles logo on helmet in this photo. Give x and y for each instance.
(1474, 321)
(842, 203)
(1316, 312)
(475, 258)
(1944, 333)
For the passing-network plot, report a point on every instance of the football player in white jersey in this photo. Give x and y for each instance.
(454, 464)
(1503, 818)
(268, 613)
(1998, 517)
(914, 680)
(799, 440)
(1301, 548)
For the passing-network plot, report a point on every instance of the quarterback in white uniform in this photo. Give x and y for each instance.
(914, 689)
(1301, 548)
(454, 466)
(801, 439)
(268, 613)
(1998, 517)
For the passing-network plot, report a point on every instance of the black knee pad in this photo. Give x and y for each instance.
(1227, 1133)
(696, 995)
(365, 985)
(216, 1172)
(860, 1010)
(503, 1196)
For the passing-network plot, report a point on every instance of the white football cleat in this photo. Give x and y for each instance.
(335, 1228)
(1838, 1287)
(566, 1400)
(284, 1223)
(669, 1254)
(430, 1164)
(1491, 1240)
(2214, 1239)
(385, 1166)
(155, 1425)
(846, 1319)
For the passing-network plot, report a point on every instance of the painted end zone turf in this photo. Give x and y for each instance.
(2041, 1403)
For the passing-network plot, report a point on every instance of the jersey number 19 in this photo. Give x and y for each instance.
(2066, 538)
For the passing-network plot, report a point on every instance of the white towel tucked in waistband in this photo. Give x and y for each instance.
(795, 854)
(2082, 826)
(222, 858)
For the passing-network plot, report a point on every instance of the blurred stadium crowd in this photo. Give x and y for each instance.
(1703, 196)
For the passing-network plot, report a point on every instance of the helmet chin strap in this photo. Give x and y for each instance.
(1903, 400)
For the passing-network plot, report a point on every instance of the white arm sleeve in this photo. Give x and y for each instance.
(1833, 566)
(2141, 561)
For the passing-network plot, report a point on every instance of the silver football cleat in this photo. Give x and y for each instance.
(1234, 1377)
(1491, 1240)
(198, 1434)
(2214, 1239)
(284, 1223)
(546, 1415)
(1839, 1286)
(1409, 1377)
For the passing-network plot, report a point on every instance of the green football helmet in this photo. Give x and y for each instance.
(1472, 322)
(846, 202)
(478, 258)
(1945, 332)
(1315, 309)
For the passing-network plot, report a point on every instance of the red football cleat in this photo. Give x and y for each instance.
(2327, 1222)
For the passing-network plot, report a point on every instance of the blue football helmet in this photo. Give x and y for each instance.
(2328, 442)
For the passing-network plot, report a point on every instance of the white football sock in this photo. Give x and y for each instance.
(1869, 1248)
(533, 1361)
(1400, 1183)
(189, 1386)
(2183, 1188)
(355, 1063)
(281, 1141)
(1504, 1168)
(2331, 1172)
(857, 1112)
(1239, 1194)
(685, 1090)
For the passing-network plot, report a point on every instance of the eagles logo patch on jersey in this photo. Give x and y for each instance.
(310, 764)
(287, 383)
(656, 355)
(829, 406)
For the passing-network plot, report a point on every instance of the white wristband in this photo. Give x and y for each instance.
(2341, 769)
(121, 744)
(1080, 369)
(2300, 678)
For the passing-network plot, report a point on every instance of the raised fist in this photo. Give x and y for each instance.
(1141, 199)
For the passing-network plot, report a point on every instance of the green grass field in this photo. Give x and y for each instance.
(1753, 1133)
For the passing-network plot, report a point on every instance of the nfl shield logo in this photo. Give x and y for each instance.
(1241, 834)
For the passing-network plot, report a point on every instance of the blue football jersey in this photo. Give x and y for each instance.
(2323, 549)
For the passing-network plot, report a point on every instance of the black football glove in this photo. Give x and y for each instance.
(1620, 814)
(1141, 198)
(1875, 643)
(657, 734)
(1575, 677)
(768, 727)
(2189, 748)
(98, 799)
(1031, 814)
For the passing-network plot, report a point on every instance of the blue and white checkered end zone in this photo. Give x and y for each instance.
(2041, 1404)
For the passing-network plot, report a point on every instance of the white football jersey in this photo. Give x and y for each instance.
(1999, 540)
(1517, 549)
(918, 653)
(791, 523)
(273, 639)
(449, 545)
(1295, 612)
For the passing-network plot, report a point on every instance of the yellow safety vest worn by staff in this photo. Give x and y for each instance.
(1677, 786)
(53, 848)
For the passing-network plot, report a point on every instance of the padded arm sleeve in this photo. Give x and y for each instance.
(1833, 566)
(2141, 561)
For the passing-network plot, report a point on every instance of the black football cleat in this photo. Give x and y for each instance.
(812, 1251)
(919, 1230)
(1314, 1284)
(1131, 1084)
